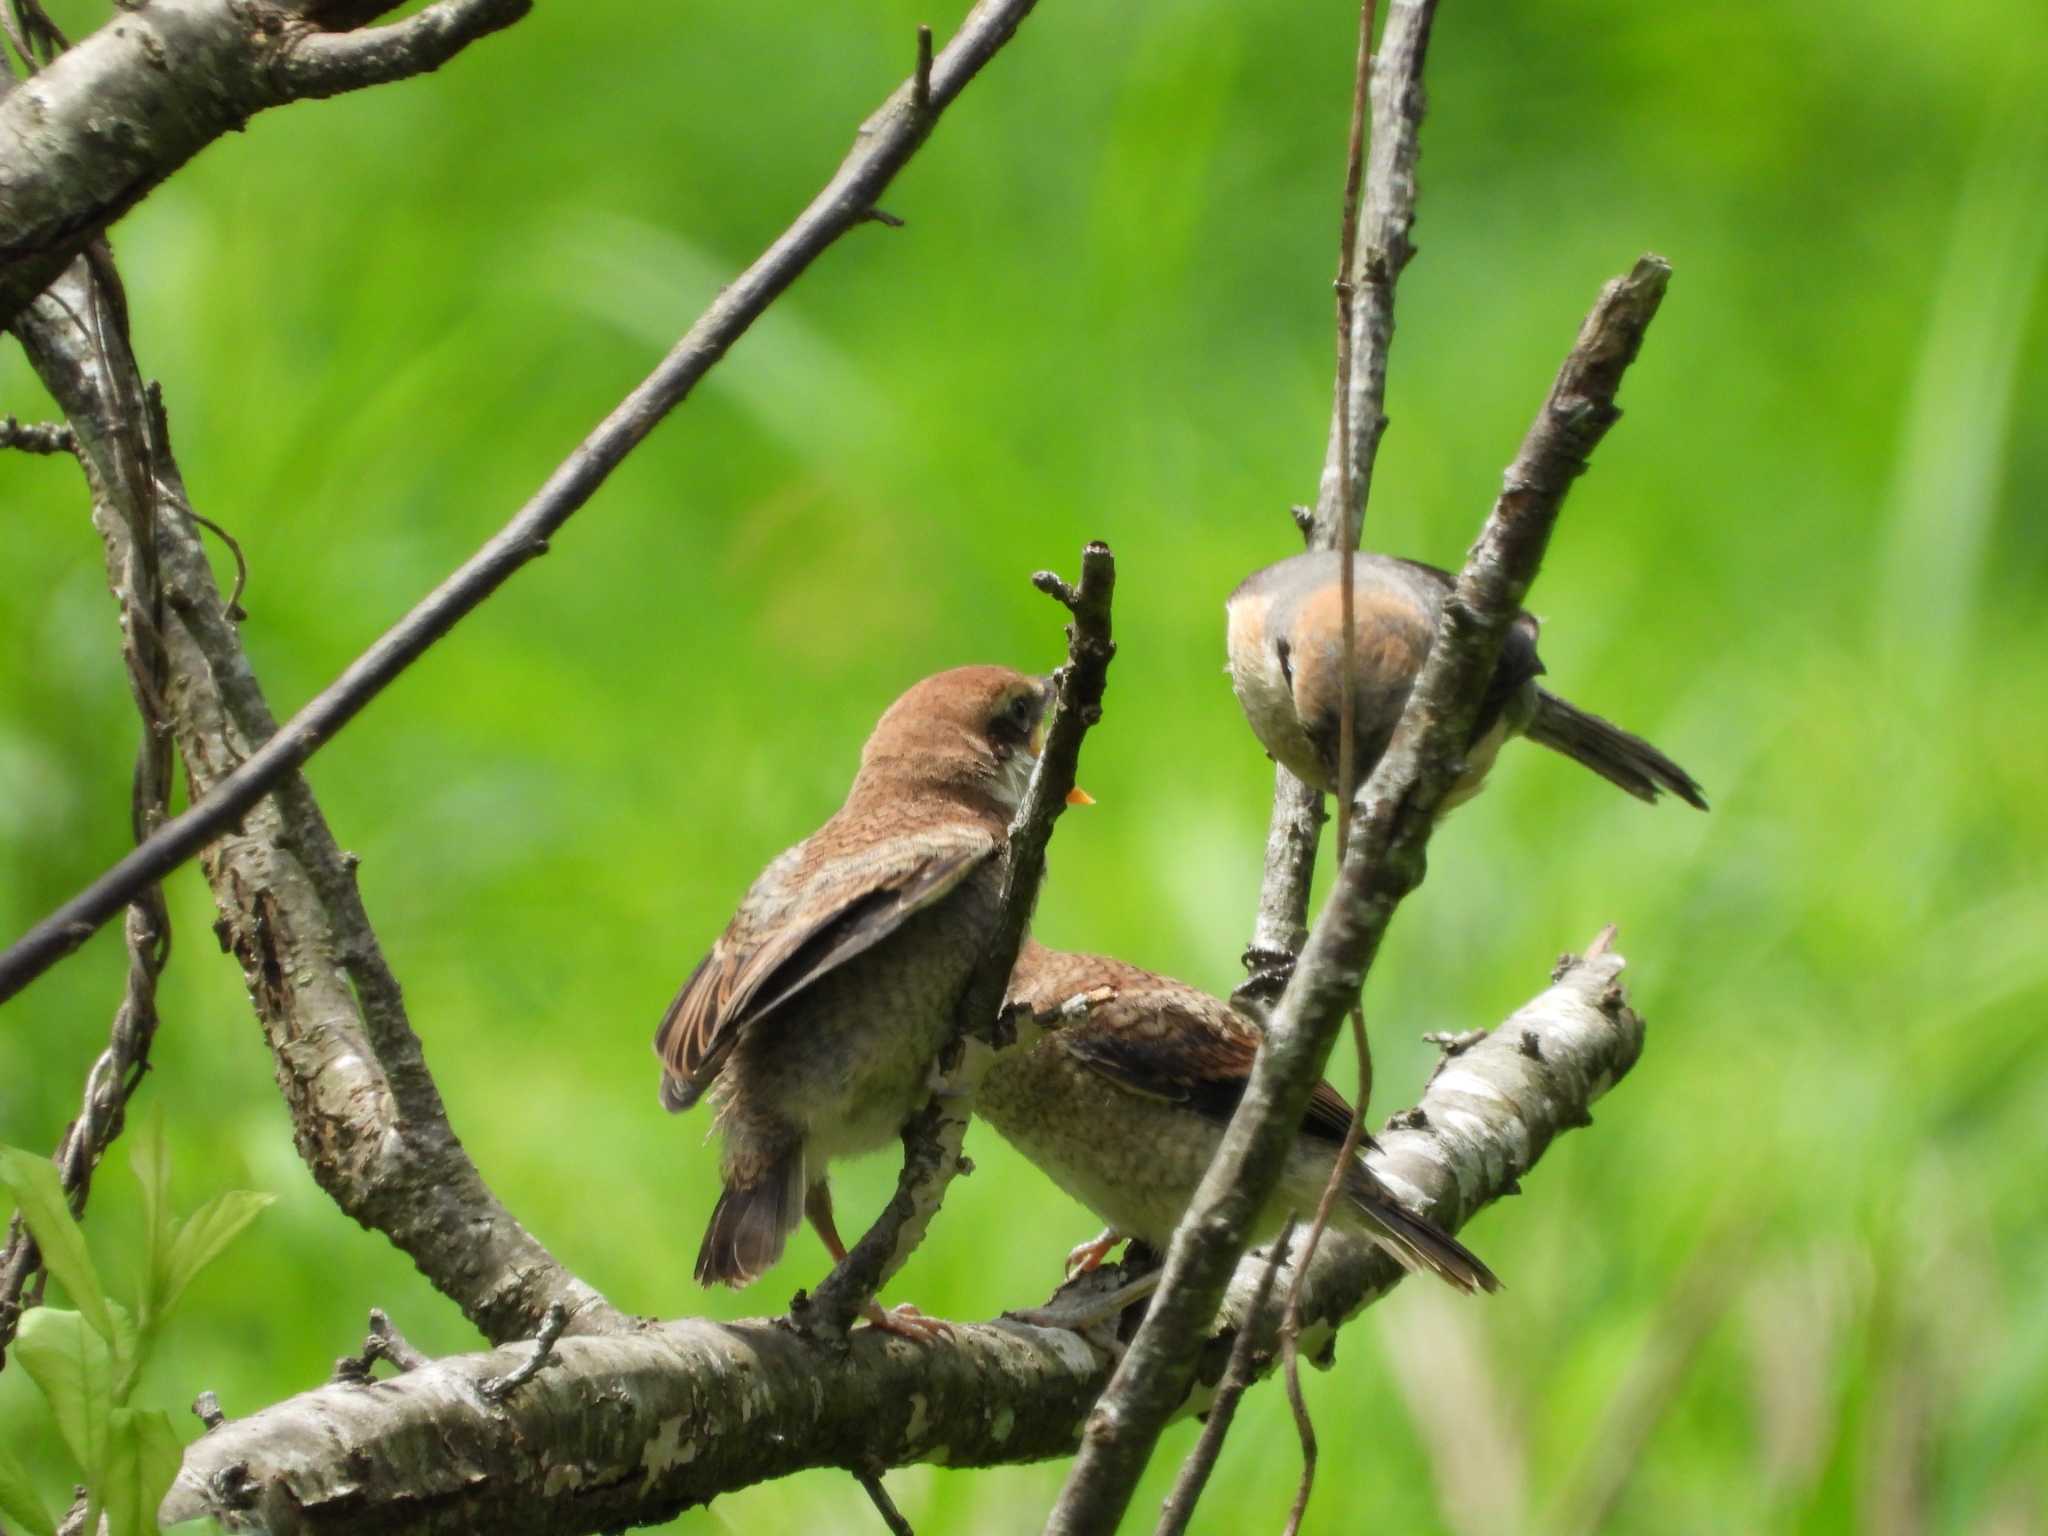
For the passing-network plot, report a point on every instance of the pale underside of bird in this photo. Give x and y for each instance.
(1286, 647)
(1124, 1099)
(814, 1022)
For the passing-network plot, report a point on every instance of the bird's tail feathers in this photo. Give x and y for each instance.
(1417, 1244)
(1621, 758)
(749, 1226)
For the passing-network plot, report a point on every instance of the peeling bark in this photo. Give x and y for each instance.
(632, 1429)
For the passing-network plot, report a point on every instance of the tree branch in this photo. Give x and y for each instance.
(96, 130)
(932, 1141)
(1376, 251)
(366, 1115)
(632, 1429)
(330, 63)
(1396, 811)
(885, 144)
(124, 494)
(36, 436)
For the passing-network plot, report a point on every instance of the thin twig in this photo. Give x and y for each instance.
(921, 81)
(498, 1388)
(1238, 1375)
(130, 494)
(37, 436)
(1373, 250)
(206, 1408)
(933, 1138)
(383, 1342)
(885, 1506)
(1290, 1322)
(885, 144)
(1397, 811)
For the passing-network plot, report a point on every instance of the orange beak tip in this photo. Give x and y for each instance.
(1079, 796)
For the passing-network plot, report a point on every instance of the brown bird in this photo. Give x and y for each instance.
(1123, 1100)
(815, 1020)
(1286, 663)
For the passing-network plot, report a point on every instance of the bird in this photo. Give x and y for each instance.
(815, 1020)
(1123, 1098)
(1286, 664)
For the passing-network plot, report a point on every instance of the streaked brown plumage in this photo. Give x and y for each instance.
(815, 1019)
(1286, 663)
(1124, 1099)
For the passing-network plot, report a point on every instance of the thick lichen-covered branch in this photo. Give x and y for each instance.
(623, 1430)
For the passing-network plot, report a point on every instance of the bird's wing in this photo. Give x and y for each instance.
(1185, 1047)
(807, 915)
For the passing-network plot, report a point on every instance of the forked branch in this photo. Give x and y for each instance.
(1396, 811)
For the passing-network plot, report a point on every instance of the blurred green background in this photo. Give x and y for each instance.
(1796, 1278)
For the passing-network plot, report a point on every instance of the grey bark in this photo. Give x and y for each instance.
(366, 1115)
(623, 1430)
(90, 135)
(1396, 813)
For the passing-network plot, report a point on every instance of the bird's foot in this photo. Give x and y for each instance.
(906, 1322)
(1089, 1255)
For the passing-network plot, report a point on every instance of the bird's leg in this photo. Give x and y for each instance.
(904, 1321)
(818, 1208)
(1089, 1255)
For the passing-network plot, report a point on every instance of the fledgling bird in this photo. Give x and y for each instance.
(815, 1020)
(1124, 1099)
(1286, 664)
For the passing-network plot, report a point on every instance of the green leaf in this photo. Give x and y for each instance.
(204, 1235)
(151, 1160)
(143, 1457)
(72, 1366)
(40, 1195)
(19, 1500)
(130, 1344)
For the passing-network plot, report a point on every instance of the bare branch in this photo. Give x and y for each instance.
(677, 1414)
(367, 1117)
(36, 436)
(100, 125)
(1369, 264)
(1237, 1376)
(329, 63)
(885, 1506)
(885, 144)
(124, 492)
(1397, 810)
(932, 1141)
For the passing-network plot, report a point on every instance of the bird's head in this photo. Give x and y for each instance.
(971, 734)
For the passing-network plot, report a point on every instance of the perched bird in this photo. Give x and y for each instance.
(1287, 659)
(815, 1020)
(1124, 1098)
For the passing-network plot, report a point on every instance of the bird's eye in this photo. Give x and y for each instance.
(1020, 709)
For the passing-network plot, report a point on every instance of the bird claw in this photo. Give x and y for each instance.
(906, 1322)
(1089, 1255)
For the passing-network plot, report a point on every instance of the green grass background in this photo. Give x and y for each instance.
(1810, 563)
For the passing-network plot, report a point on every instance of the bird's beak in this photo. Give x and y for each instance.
(1079, 796)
